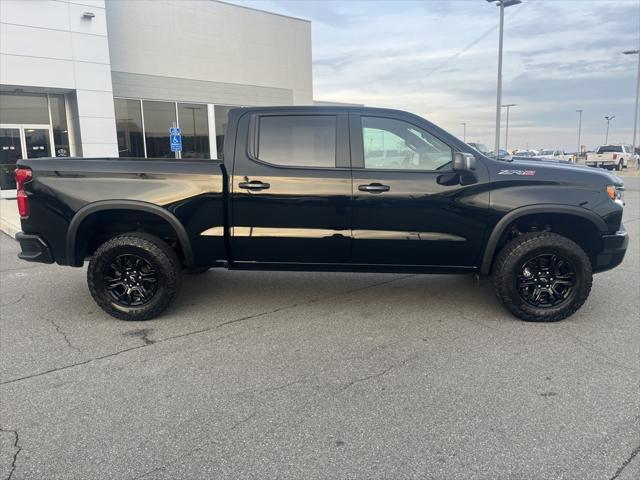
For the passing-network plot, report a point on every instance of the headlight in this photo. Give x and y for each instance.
(616, 194)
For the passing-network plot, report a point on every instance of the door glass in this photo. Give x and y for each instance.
(394, 144)
(10, 153)
(298, 140)
(37, 142)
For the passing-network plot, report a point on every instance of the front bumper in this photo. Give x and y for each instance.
(34, 248)
(614, 248)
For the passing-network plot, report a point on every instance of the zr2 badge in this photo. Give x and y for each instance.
(525, 173)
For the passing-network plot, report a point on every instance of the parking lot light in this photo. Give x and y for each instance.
(502, 4)
(608, 118)
(506, 134)
(579, 132)
(635, 113)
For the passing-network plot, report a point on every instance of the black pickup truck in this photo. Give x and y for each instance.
(331, 189)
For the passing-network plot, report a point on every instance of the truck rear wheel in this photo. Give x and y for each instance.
(542, 277)
(134, 276)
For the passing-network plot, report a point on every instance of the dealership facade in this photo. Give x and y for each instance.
(110, 78)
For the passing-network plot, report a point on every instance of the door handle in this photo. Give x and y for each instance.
(374, 188)
(254, 185)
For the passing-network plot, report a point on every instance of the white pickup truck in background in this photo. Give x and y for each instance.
(554, 155)
(611, 157)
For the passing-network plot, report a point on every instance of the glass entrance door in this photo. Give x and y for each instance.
(20, 141)
(37, 142)
(10, 153)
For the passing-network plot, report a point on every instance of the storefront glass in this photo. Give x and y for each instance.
(159, 117)
(194, 128)
(129, 128)
(221, 112)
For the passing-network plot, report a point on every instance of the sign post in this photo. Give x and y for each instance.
(175, 139)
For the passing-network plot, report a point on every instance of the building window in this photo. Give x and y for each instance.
(221, 112)
(298, 140)
(24, 109)
(129, 128)
(59, 126)
(159, 117)
(194, 129)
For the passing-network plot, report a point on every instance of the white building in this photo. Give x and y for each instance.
(109, 78)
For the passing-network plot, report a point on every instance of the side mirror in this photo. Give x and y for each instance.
(463, 162)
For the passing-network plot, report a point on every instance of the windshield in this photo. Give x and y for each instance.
(546, 152)
(610, 149)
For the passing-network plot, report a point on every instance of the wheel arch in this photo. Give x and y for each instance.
(86, 212)
(498, 232)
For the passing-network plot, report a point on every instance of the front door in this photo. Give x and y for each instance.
(291, 188)
(410, 208)
(20, 141)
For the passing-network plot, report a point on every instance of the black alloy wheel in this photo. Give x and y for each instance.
(130, 280)
(546, 280)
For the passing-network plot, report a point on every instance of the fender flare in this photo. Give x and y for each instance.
(82, 214)
(505, 221)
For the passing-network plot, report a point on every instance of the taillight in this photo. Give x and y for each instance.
(22, 175)
(615, 155)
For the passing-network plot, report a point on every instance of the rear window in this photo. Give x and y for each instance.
(298, 140)
(610, 149)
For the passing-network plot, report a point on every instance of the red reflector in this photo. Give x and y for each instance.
(615, 155)
(22, 175)
(23, 204)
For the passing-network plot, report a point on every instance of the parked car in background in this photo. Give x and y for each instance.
(502, 154)
(611, 157)
(554, 155)
(525, 153)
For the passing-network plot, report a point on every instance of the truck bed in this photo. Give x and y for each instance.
(68, 192)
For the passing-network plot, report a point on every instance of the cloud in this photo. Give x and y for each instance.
(439, 59)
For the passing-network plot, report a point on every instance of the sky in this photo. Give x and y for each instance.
(438, 59)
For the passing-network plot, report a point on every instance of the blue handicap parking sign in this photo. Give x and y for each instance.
(175, 139)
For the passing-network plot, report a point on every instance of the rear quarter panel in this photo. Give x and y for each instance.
(191, 190)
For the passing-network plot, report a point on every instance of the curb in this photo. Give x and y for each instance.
(8, 228)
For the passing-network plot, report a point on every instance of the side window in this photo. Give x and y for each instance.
(394, 144)
(298, 140)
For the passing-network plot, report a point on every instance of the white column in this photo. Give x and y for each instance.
(213, 150)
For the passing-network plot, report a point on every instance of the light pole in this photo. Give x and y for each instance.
(502, 4)
(464, 135)
(579, 132)
(506, 135)
(635, 115)
(608, 118)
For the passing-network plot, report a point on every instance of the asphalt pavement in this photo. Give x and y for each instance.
(318, 375)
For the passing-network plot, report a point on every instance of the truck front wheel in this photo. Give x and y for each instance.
(134, 276)
(542, 277)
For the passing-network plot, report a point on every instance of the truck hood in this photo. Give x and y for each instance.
(565, 170)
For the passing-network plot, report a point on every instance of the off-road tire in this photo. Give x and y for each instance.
(517, 252)
(152, 249)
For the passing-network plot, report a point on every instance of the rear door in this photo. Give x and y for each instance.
(291, 188)
(410, 208)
